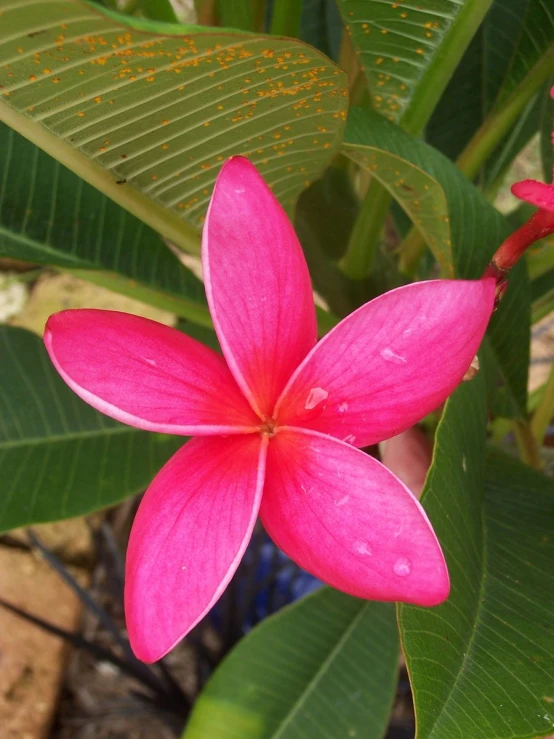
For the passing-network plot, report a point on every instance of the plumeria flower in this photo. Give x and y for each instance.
(278, 419)
(537, 193)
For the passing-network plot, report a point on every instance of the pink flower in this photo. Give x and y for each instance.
(278, 420)
(537, 193)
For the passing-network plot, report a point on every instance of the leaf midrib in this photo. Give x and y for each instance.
(468, 655)
(47, 249)
(309, 689)
(60, 438)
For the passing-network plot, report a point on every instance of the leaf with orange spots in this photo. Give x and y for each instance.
(147, 112)
(419, 194)
(409, 51)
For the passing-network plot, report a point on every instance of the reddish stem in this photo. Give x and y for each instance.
(540, 224)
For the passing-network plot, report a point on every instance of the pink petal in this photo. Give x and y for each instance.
(257, 283)
(145, 374)
(346, 519)
(391, 362)
(536, 193)
(188, 538)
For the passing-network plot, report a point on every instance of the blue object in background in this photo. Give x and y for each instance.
(265, 581)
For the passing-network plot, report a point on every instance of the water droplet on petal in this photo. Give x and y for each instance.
(342, 501)
(349, 438)
(316, 396)
(390, 356)
(402, 567)
(362, 547)
(239, 190)
(343, 407)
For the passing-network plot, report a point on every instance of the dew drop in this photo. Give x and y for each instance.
(464, 464)
(343, 407)
(390, 356)
(239, 190)
(362, 547)
(316, 396)
(402, 567)
(342, 501)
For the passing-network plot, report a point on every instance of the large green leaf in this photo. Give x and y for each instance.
(147, 112)
(419, 194)
(59, 457)
(409, 51)
(481, 664)
(477, 229)
(324, 667)
(514, 38)
(50, 216)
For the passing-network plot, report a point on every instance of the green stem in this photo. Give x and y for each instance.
(411, 250)
(206, 12)
(285, 20)
(501, 118)
(360, 252)
(527, 445)
(545, 410)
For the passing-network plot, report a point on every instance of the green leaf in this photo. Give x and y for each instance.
(499, 162)
(324, 217)
(419, 194)
(512, 40)
(50, 216)
(159, 10)
(321, 26)
(408, 52)
(59, 457)
(237, 14)
(481, 663)
(146, 112)
(477, 230)
(324, 667)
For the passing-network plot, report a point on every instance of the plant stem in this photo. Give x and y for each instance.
(285, 20)
(511, 250)
(411, 250)
(527, 444)
(360, 252)
(206, 13)
(545, 410)
(500, 119)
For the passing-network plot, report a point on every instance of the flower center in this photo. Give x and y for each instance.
(268, 427)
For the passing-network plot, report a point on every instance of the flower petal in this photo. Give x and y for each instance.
(391, 362)
(145, 374)
(345, 518)
(257, 283)
(536, 193)
(188, 538)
